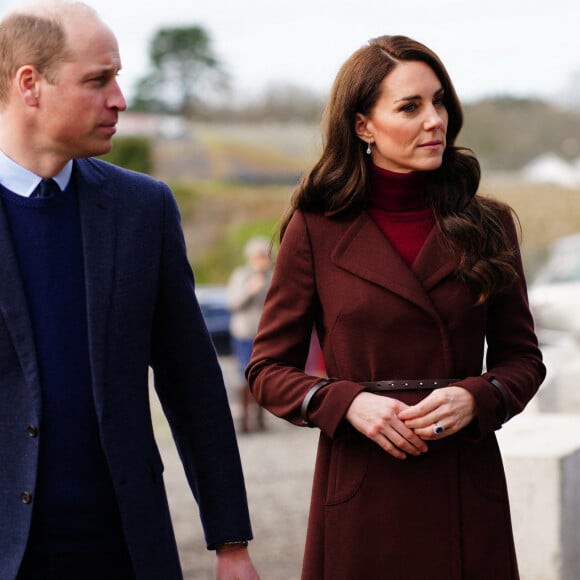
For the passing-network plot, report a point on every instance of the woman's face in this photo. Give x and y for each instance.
(408, 124)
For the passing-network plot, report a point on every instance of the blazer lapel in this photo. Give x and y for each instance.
(98, 232)
(14, 306)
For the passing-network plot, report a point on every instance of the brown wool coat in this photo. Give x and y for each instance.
(444, 515)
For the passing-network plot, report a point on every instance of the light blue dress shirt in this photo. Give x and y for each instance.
(22, 181)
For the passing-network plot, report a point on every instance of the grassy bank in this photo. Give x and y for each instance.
(546, 212)
(233, 181)
(219, 217)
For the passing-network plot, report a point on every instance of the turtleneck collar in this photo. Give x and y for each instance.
(391, 191)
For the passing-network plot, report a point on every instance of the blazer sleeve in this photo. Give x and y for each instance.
(190, 386)
(276, 373)
(514, 367)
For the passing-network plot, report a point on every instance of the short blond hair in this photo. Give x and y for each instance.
(35, 35)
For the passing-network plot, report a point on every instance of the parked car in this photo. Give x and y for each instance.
(555, 292)
(213, 300)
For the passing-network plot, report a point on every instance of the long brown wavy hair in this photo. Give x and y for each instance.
(339, 181)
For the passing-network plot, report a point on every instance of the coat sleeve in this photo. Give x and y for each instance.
(514, 367)
(190, 386)
(276, 371)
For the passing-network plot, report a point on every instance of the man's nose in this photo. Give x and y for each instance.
(116, 99)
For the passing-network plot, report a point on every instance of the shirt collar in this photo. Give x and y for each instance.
(22, 181)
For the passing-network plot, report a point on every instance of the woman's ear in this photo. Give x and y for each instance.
(361, 128)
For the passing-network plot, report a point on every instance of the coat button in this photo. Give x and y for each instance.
(32, 430)
(26, 497)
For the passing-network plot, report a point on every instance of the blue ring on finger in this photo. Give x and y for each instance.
(438, 429)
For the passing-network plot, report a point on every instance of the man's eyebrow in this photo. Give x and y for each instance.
(104, 69)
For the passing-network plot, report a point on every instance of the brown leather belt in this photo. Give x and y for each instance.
(408, 384)
(392, 385)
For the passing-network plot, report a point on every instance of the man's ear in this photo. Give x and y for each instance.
(27, 81)
(361, 128)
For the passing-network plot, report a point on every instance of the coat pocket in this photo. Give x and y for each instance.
(349, 461)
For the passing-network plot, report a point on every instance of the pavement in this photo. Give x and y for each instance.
(278, 465)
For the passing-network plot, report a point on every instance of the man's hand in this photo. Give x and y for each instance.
(234, 563)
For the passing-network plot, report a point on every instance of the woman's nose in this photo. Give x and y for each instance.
(434, 119)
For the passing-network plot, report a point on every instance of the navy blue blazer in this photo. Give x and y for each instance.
(142, 312)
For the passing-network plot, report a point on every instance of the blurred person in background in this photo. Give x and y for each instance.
(406, 271)
(247, 289)
(95, 286)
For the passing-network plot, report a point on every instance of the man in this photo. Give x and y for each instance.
(95, 287)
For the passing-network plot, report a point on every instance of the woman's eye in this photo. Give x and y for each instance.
(439, 99)
(409, 108)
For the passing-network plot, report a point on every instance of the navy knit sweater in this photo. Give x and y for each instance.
(74, 505)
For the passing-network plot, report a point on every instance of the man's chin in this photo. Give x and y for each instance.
(101, 149)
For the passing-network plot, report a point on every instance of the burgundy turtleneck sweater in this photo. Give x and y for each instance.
(397, 204)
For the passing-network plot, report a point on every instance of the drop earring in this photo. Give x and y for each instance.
(369, 148)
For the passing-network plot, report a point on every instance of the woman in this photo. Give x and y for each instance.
(406, 273)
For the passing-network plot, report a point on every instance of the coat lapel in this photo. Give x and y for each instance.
(98, 233)
(435, 261)
(14, 306)
(364, 251)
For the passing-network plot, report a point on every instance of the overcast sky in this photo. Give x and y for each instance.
(490, 47)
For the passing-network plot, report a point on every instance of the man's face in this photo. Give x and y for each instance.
(78, 114)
